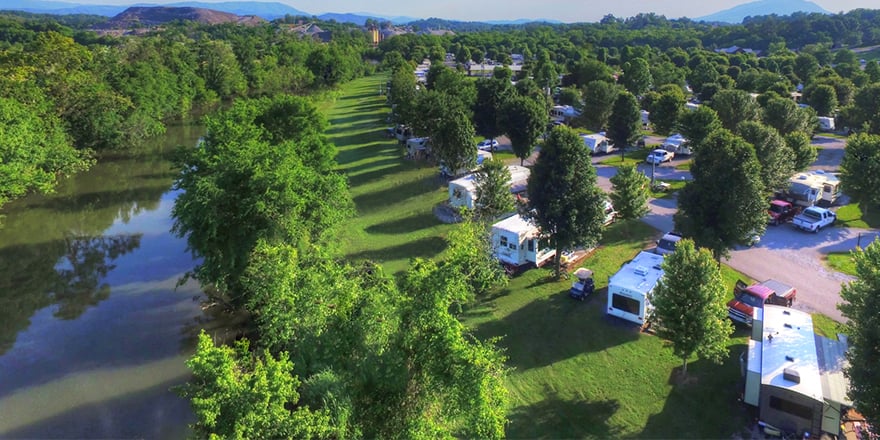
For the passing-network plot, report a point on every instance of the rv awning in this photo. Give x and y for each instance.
(832, 359)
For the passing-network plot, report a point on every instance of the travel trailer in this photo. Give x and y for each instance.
(481, 156)
(646, 118)
(826, 123)
(629, 290)
(563, 113)
(418, 148)
(517, 243)
(677, 144)
(597, 143)
(463, 191)
(812, 188)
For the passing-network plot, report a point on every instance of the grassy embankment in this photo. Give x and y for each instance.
(576, 372)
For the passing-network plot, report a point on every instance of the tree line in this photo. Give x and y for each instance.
(66, 94)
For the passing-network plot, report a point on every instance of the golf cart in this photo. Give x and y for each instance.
(583, 285)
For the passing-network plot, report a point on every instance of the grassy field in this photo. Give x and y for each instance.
(841, 262)
(575, 372)
(851, 216)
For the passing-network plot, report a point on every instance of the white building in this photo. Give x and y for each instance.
(629, 290)
(517, 242)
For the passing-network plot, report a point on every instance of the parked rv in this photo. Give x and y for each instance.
(517, 244)
(463, 191)
(629, 290)
(597, 143)
(747, 298)
(563, 113)
(418, 148)
(677, 144)
(402, 133)
(826, 123)
(481, 156)
(811, 188)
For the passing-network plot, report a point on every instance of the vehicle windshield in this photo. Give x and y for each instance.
(776, 208)
(750, 299)
(666, 244)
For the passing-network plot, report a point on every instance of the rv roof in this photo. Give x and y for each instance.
(641, 274)
(793, 345)
(515, 224)
(468, 182)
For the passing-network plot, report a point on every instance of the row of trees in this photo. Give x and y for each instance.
(81, 96)
(339, 349)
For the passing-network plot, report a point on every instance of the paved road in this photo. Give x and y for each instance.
(830, 154)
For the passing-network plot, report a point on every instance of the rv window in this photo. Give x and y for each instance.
(512, 246)
(531, 245)
(503, 241)
(795, 409)
(625, 304)
(828, 188)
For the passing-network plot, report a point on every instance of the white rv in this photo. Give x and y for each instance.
(563, 113)
(597, 143)
(677, 144)
(629, 290)
(463, 191)
(517, 243)
(813, 187)
(826, 123)
(646, 118)
(418, 148)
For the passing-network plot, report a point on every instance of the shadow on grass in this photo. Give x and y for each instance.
(395, 194)
(358, 178)
(369, 166)
(346, 123)
(404, 225)
(704, 403)
(351, 128)
(427, 247)
(555, 328)
(555, 417)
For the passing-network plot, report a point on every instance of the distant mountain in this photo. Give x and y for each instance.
(523, 21)
(357, 19)
(139, 16)
(763, 7)
(265, 10)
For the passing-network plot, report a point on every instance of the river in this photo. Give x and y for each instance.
(93, 330)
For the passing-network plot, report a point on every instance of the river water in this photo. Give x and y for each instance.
(93, 332)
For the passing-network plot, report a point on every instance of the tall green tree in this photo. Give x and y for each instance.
(637, 76)
(238, 394)
(804, 151)
(564, 201)
(775, 156)
(696, 125)
(734, 107)
(492, 93)
(725, 204)
(824, 100)
(786, 117)
(861, 308)
(625, 123)
(689, 305)
(860, 170)
(629, 192)
(452, 137)
(470, 253)
(599, 98)
(667, 109)
(493, 190)
(240, 187)
(402, 95)
(523, 119)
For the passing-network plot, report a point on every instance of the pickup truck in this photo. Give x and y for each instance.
(814, 218)
(781, 211)
(747, 298)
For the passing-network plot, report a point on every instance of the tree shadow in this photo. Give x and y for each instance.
(356, 179)
(404, 225)
(372, 165)
(556, 417)
(349, 128)
(554, 328)
(705, 403)
(378, 200)
(422, 248)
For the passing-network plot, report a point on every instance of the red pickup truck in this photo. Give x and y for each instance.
(746, 298)
(781, 212)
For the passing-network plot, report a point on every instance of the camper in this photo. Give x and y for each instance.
(481, 156)
(418, 148)
(812, 188)
(402, 133)
(463, 191)
(629, 290)
(826, 123)
(563, 113)
(678, 145)
(646, 118)
(597, 143)
(517, 243)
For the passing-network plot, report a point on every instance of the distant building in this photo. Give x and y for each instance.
(310, 30)
(736, 49)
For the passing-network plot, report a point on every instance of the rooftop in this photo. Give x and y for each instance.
(641, 274)
(789, 344)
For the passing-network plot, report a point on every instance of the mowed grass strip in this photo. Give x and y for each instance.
(394, 197)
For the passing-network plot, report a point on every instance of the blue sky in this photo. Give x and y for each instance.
(563, 10)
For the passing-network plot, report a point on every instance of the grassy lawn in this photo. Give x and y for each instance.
(851, 216)
(826, 326)
(634, 157)
(841, 262)
(685, 166)
(575, 372)
(674, 185)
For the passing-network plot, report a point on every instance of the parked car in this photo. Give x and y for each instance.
(746, 298)
(666, 244)
(781, 211)
(659, 156)
(488, 144)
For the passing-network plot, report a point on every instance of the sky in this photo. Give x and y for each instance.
(481, 10)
